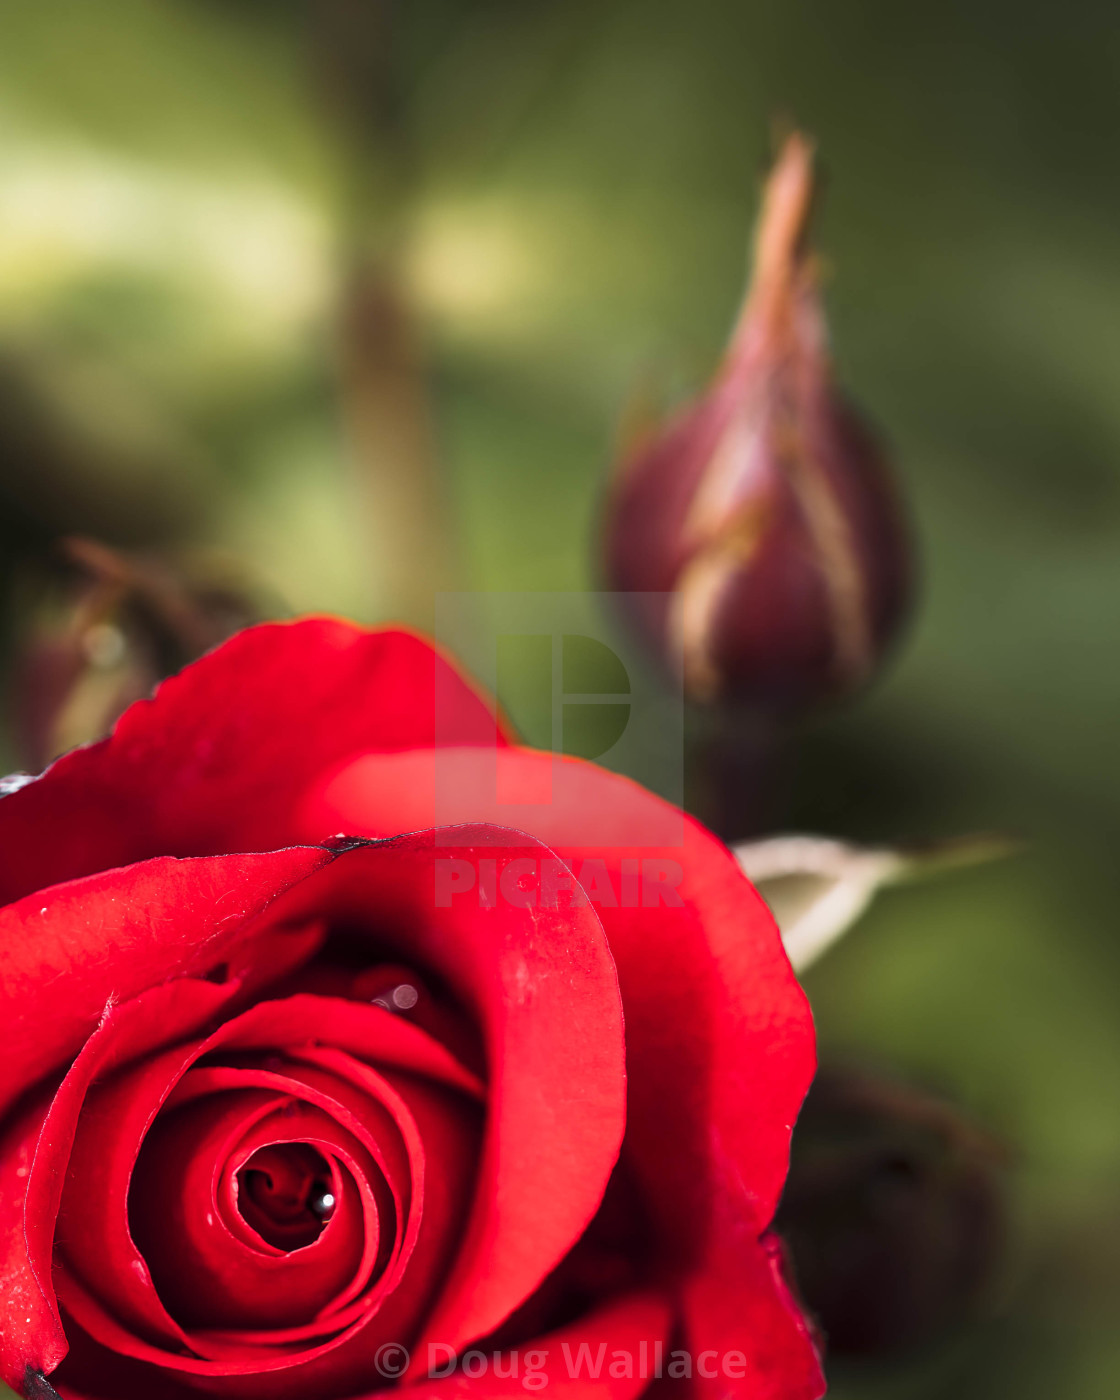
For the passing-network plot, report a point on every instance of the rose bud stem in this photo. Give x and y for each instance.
(737, 771)
(894, 1212)
(757, 540)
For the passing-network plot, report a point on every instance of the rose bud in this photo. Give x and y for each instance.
(328, 1072)
(894, 1212)
(105, 627)
(761, 531)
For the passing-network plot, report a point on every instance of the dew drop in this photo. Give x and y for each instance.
(321, 1201)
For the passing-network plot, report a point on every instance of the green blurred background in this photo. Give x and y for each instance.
(197, 199)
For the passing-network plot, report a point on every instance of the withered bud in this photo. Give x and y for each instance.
(766, 511)
(893, 1212)
(104, 628)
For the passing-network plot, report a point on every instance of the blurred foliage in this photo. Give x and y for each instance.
(177, 208)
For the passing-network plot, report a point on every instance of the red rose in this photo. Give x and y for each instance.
(467, 1109)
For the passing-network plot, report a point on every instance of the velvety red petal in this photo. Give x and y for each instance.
(588, 1359)
(103, 1267)
(65, 954)
(35, 1152)
(370, 1033)
(91, 1373)
(635, 1326)
(451, 1143)
(214, 762)
(743, 1302)
(30, 1330)
(206, 1275)
(719, 1034)
(118, 1113)
(542, 985)
(439, 1123)
(94, 1241)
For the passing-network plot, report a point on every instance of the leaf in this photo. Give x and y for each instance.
(817, 887)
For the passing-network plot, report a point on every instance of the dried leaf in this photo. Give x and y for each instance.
(817, 887)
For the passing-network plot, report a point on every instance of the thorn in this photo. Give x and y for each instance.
(37, 1387)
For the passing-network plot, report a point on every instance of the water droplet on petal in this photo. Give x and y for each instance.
(321, 1200)
(405, 996)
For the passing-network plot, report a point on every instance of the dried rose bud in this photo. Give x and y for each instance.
(894, 1212)
(766, 510)
(105, 627)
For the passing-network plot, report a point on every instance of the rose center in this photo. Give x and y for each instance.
(286, 1193)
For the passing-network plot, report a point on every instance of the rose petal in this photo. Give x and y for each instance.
(436, 1117)
(94, 1241)
(388, 1137)
(542, 985)
(719, 1034)
(144, 1024)
(66, 953)
(205, 1275)
(575, 1362)
(97, 1233)
(635, 1325)
(240, 1366)
(30, 1330)
(361, 1029)
(451, 1144)
(216, 760)
(94, 1225)
(742, 1301)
